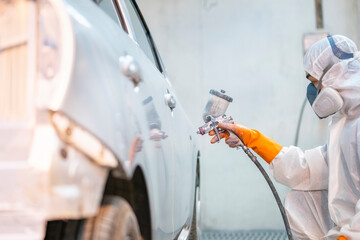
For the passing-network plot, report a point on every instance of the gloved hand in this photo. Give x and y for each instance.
(266, 147)
(342, 237)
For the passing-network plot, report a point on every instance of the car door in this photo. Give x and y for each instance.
(155, 157)
(180, 176)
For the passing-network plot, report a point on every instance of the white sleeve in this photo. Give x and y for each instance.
(352, 228)
(301, 170)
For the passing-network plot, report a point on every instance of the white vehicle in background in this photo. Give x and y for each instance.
(93, 144)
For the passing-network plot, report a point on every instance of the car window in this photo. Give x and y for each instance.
(108, 7)
(141, 36)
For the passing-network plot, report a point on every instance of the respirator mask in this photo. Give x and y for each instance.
(324, 102)
(327, 101)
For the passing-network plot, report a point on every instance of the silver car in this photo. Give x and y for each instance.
(93, 142)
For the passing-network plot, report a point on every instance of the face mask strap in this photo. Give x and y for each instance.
(322, 76)
(337, 52)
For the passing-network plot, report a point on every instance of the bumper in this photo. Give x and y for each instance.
(56, 182)
(22, 212)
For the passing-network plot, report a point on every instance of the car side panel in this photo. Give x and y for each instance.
(106, 103)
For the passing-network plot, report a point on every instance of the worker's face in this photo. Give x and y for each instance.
(312, 80)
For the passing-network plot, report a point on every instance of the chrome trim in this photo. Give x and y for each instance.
(198, 210)
(184, 234)
(124, 12)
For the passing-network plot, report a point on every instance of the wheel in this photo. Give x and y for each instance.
(115, 221)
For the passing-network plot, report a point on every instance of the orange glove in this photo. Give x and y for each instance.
(266, 147)
(342, 237)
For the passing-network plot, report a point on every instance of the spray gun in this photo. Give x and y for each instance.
(213, 115)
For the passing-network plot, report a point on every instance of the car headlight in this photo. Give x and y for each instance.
(56, 57)
(82, 140)
(55, 54)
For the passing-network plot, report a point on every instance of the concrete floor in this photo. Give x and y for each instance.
(242, 235)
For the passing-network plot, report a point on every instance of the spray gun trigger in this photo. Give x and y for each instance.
(217, 134)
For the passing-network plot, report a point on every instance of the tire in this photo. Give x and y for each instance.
(63, 230)
(115, 221)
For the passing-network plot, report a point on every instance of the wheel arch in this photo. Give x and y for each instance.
(135, 192)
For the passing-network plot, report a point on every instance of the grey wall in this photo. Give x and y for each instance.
(253, 50)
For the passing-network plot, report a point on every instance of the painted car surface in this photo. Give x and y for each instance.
(101, 117)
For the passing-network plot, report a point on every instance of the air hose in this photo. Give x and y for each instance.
(271, 185)
(214, 113)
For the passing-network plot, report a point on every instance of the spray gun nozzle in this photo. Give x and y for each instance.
(201, 131)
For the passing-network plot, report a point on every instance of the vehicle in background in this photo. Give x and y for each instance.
(93, 144)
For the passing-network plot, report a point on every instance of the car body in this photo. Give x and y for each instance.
(87, 111)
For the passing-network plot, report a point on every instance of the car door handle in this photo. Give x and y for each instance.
(130, 68)
(170, 100)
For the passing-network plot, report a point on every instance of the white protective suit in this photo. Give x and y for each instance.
(325, 200)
